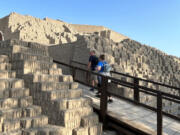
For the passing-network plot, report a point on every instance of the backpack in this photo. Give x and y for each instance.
(107, 67)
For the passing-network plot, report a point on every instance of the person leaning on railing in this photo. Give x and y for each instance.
(103, 68)
(93, 61)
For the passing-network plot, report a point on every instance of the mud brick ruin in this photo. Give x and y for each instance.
(37, 98)
(127, 56)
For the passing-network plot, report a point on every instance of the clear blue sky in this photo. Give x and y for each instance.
(152, 22)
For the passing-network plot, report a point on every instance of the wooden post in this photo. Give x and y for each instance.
(159, 114)
(136, 90)
(103, 101)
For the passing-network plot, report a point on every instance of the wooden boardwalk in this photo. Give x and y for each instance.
(136, 116)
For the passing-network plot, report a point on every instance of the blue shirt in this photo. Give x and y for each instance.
(101, 64)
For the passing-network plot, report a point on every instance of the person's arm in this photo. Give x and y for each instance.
(89, 65)
(98, 68)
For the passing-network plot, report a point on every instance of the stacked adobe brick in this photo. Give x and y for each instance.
(59, 97)
(18, 115)
(133, 58)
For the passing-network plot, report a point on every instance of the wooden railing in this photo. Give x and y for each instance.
(160, 95)
(126, 75)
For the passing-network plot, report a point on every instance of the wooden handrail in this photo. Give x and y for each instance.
(118, 81)
(140, 79)
(160, 95)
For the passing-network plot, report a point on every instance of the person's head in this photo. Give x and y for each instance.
(102, 57)
(92, 52)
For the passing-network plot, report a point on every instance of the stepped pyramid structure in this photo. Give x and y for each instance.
(54, 96)
(18, 115)
(67, 42)
(28, 28)
(48, 31)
